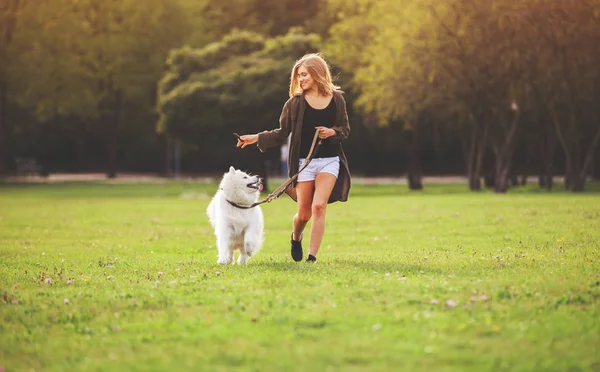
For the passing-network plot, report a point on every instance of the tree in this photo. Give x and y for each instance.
(213, 19)
(237, 84)
(8, 23)
(568, 36)
(479, 65)
(93, 58)
(365, 42)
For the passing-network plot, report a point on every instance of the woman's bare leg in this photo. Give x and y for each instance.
(324, 184)
(304, 194)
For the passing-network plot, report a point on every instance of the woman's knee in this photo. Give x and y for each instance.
(318, 209)
(304, 215)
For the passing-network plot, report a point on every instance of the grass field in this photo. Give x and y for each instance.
(124, 277)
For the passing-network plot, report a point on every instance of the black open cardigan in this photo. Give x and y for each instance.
(290, 121)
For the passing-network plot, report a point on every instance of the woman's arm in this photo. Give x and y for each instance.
(270, 138)
(277, 136)
(342, 127)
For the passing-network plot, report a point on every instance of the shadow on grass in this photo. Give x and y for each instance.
(367, 266)
(592, 187)
(108, 190)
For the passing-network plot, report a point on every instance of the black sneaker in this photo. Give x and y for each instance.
(311, 258)
(296, 248)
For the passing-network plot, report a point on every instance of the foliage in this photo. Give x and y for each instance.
(213, 19)
(483, 64)
(79, 80)
(88, 50)
(242, 78)
(92, 61)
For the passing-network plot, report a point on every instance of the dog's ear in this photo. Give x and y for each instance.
(231, 170)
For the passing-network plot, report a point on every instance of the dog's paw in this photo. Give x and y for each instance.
(250, 248)
(224, 261)
(243, 259)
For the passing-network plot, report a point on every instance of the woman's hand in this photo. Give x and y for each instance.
(246, 140)
(325, 132)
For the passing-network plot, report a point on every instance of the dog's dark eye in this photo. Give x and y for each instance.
(245, 177)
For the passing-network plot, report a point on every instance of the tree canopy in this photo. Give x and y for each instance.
(491, 88)
(491, 67)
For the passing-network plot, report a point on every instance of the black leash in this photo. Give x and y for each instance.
(314, 147)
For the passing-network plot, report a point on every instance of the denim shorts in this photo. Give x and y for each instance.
(318, 165)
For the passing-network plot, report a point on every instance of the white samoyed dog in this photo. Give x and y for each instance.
(236, 226)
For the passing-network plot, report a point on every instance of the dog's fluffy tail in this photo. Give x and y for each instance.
(210, 211)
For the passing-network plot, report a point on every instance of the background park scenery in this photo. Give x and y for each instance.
(487, 272)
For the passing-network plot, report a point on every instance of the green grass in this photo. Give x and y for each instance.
(366, 305)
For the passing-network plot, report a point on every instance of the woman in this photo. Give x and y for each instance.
(315, 104)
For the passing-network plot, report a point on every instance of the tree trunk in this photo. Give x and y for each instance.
(577, 160)
(549, 180)
(4, 128)
(475, 175)
(475, 159)
(596, 166)
(577, 175)
(489, 179)
(111, 145)
(470, 154)
(113, 134)
(588, 160)
(112, 156)
(502, 179)
(9, 23)
(574, 177)
(577, 183)
(567, 179)
(546, 176)
(504, 154)
(542, 180)
(502, 168)
(474, 182)
(502, 176)
(415, 173)
(415, 181)
(165, 158)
